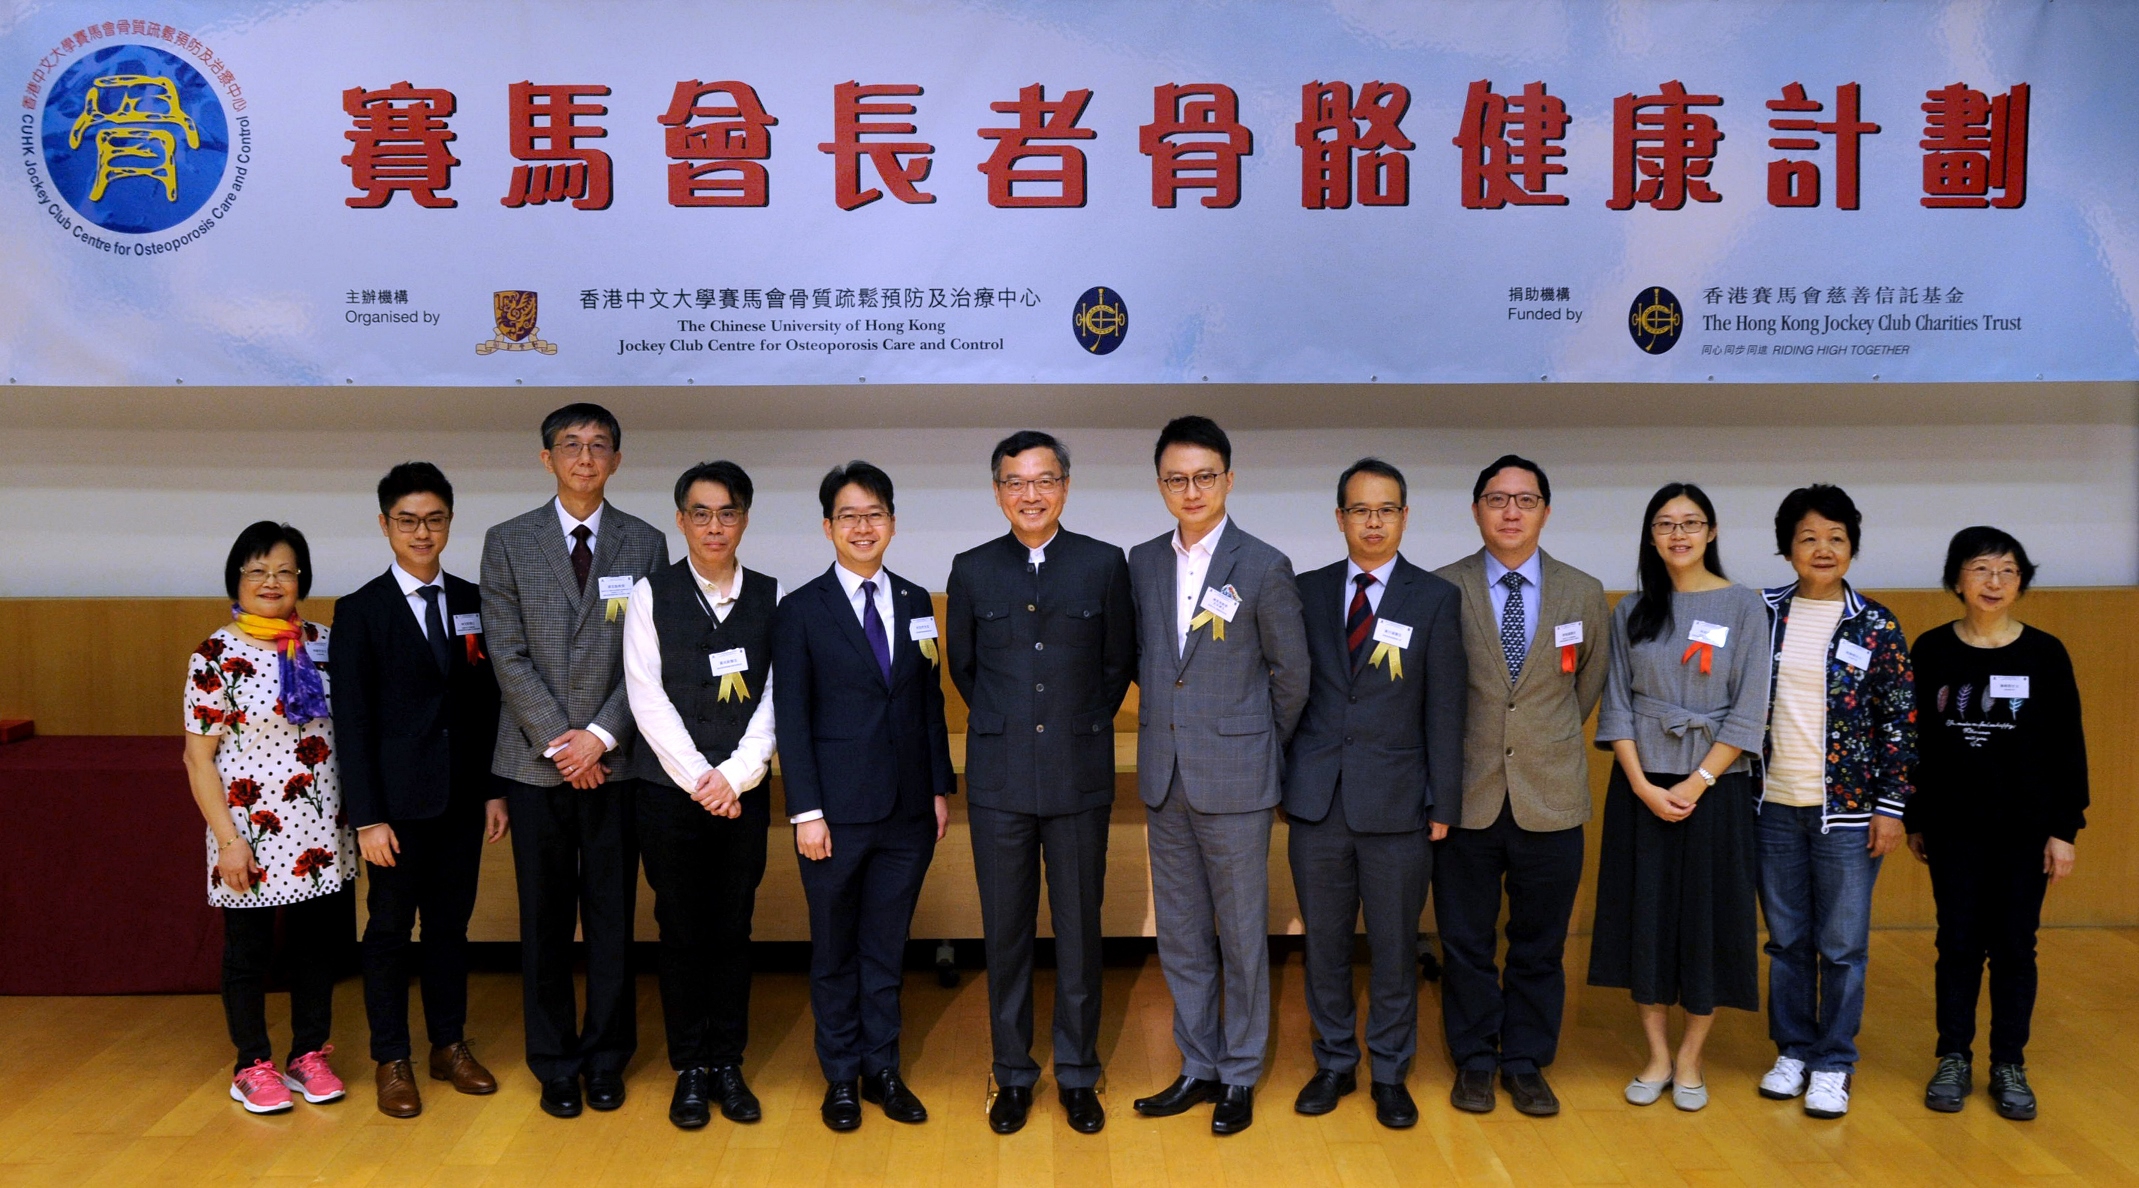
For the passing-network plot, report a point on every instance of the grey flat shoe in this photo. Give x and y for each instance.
(1640, 1092)
(1689, 1097)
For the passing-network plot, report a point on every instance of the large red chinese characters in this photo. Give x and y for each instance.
(1662, 149)
(1974, 143)
(1333, 128)
(718, 132)
(1207, 118)
(1508, 143)
(399, 144)
(546, 131)
(1062, 184)
(900, 164)
(1796, 182)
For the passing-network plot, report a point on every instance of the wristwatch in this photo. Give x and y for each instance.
(1705, 777)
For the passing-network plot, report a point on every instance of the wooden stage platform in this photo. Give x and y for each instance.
(134, 1091)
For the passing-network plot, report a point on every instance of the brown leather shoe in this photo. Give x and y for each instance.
(398, 1097)
(457, 1064)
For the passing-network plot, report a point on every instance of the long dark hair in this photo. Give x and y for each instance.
(1652, 600)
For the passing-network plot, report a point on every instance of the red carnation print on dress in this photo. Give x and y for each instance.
(206, 716)
(298, 785)
(206, 681)
(239, 666)
(267, 821)
(244, 793)
(313, 751)
(312, 863)
(210, 649)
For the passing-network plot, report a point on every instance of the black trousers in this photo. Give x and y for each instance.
(1007, 852)
(576, 859)
(861, 906)
(315, 941)
(1505, 1017)
(704, 871)
(1989, 893)
(432, 877)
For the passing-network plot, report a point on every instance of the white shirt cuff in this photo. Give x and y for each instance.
(608, 739)
(812, 815)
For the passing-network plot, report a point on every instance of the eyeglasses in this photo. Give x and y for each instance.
(728, 517)
(1178, 483)
(570, 449)
(1984, 573)
(1046, 484)
(848, 521)
(1499, 500)
(407, 525)
(1359, 513)
(255, 576)
(1694, 527)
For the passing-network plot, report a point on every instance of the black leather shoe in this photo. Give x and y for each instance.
(1082, 1108)
(842, 1108)
(737, 1102)
(1012, 1104)
(1178, 1098)
(1473, 1091)
(1530, 1093)
(1393, 1106)
(2009, 1092)
(887, 1090)
(605, 1090)
(1235, 1111)
(692, 1107)
(1320, 1094)
(560, 1098)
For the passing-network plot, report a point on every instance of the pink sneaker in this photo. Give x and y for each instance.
(310, 1075)
(259, 1089)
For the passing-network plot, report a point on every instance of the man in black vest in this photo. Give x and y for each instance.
(698, 670)
(415, 720)
(1375, 769)
(1041, 626)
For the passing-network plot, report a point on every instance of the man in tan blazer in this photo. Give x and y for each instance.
(1534, 631)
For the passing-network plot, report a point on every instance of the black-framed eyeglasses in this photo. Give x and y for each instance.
(407, 525)
(1668, 528)
(596, 450)
(1525, 500)
(727, 517)
(852, 520)
(1178, 483)
(1360, 513)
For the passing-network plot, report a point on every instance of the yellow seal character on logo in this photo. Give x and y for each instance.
(123, 147)
(515, 310)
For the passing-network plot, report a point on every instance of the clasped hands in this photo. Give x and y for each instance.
(578, 756)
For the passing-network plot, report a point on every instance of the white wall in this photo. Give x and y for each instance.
(98, 509)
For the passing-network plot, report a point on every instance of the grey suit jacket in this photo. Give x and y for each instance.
(559, 658)
(1523, 738)
(1221, 709)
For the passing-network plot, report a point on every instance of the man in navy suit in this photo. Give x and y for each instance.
(865, 760)
(416, 718)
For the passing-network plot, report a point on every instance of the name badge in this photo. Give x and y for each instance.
(920, 628)
(317, 650)
(1392, 633)
(613, 587)
(1712, 634)
(467, 624)
(2012, 687)
(1567, 634)
(1220, 603)
(732, 660)
(1852, 655)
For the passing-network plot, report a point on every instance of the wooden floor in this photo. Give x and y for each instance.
(134, 1090)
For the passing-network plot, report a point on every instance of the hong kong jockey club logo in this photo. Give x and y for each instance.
(1100, 321)
(136, 141)
(1655, 320)
(515, 310)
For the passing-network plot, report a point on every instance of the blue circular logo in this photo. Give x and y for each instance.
(1655, 320)
(1100, 321)
(135, 138)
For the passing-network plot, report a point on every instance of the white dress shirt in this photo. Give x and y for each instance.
(1533, 571)
(411, 589)
(1190, 564)
(1374, 591)
(659, 723)
(1038, 557)
(594, 533)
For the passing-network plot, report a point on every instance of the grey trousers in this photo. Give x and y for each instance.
(1210, 885)
(1337, 872)
(1007, 851)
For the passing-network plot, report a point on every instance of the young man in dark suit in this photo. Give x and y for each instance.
(415, 721)
(1042, 632)
(865, 761)
(1374, 772)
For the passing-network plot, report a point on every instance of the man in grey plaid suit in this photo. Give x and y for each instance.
(555, 585)
(1223, 673)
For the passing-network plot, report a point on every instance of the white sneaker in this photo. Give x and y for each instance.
(1828, 1096)
(1785, 1081)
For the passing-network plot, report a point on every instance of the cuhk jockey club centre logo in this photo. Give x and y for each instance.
(136, 140)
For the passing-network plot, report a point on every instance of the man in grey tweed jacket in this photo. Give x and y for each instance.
(555, 585)
(1223, 673)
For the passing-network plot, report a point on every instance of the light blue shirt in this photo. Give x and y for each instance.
(1533, 572)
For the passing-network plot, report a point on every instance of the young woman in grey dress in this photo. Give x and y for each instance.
(1685, 711)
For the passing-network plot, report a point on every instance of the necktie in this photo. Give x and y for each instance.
(1358, 622)
(434, 626)
(873, 627)
(582, 556)
(1514, 639)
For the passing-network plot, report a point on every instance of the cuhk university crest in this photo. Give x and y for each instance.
(514, 310)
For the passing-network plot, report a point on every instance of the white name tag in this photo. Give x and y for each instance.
(1709, 633)
(317, 650)
(1220, 603)
(1566, 634)
(613, 587)
(467, 624)
(1392, 633)
(2013, 687)
(920, 628)
(1852, 655)
(732, 660)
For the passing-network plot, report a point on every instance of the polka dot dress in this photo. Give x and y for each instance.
(280, 779)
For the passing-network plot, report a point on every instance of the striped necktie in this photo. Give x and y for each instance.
(1359, 620)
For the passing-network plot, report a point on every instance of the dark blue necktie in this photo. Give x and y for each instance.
(434, 626)
(1514, 633)
(873, 627)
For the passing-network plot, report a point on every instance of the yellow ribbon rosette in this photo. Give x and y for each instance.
(1217, 624)
(1391, 653)
(615, 607)
(731, 683)
(928, 649)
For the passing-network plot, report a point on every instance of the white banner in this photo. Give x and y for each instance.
(931, 191)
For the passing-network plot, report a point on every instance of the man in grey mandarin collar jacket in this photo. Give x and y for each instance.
(1223, 669)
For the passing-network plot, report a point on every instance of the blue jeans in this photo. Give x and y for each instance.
(1816, 891)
